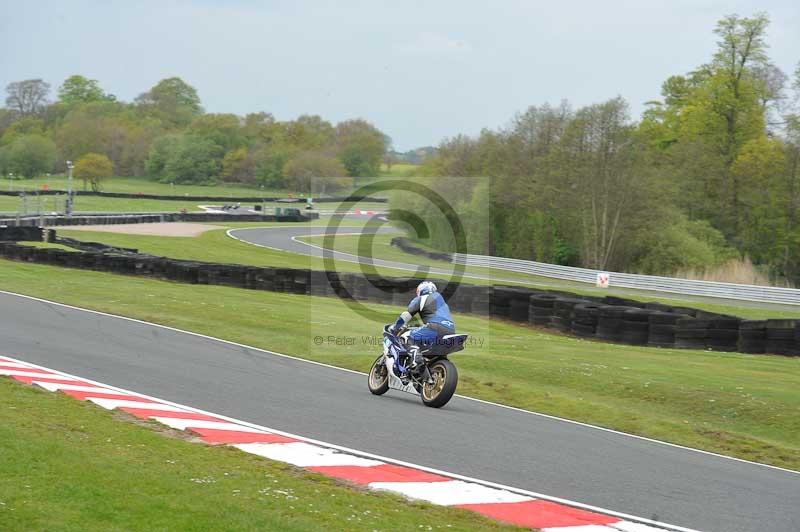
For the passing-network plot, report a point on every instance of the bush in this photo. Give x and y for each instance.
(683, 245)
(315, 173)
(194, 160)
(30, 155)
(93, 167)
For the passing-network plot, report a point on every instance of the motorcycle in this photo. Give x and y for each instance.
(434, 380)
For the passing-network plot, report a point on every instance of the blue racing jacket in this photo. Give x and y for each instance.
(432, 309)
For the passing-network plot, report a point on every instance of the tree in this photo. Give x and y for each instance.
(707, 117)
(269, 165)
(110, 128)
(161, 151)
(238, 166)
(172, 100)
(309, 132)
(78, 89)
(94, 168)
(225, 130)
(601, 178)
(360, 147)
(315, 173)
(24, 126)
(31, 155)
(27, 97)
(741, 49)
(194, 160)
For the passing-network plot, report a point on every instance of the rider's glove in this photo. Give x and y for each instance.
(392, 328)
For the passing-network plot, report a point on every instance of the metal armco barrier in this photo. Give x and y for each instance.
(742, 292)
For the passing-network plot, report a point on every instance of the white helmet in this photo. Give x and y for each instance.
(425, 287)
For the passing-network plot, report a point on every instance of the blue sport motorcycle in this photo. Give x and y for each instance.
(434, 379)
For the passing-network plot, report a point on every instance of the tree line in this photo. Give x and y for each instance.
(165, 133)
(710, 172)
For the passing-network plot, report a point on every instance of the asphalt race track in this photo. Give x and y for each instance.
(282, 238)
(519, 449)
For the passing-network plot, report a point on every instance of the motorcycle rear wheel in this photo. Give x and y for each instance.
(445, 380)
(378, 380)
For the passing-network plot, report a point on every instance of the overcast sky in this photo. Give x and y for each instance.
(420, 71)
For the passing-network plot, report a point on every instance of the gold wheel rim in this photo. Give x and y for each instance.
(432, 391)
(374, 375)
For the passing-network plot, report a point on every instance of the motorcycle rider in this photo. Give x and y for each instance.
(435, 315)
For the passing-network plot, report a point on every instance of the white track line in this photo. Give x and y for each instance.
(455, 476)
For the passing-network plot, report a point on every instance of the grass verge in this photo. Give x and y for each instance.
(72, 466)
(142, 185)
(742, 405)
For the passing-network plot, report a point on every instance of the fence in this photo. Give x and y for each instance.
(766, 294)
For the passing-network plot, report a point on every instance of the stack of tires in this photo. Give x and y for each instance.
(723, 333)
(500, 302)
(540, 309)
(402, 290)
(284, 279)
(300, 281)
(636, 326)
(318, 283)
(797, 337)
(781, 337)
(752, 336)
(562, 313)
(74, 261)
(13, 234)
(584, 319)
(460, 300)
(691, 333)
(622, 302)
(610, 322)
(662, 328)
(377, 290)
(481, 296)
(519, 305)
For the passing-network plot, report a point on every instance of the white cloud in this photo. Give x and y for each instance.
(433, 43)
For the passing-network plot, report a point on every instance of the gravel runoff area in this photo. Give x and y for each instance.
(154, 229)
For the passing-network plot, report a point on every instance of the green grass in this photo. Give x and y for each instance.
(399, 170)
(136, 185)
(742, 405)
(73, 466)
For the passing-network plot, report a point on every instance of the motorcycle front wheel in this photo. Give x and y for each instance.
(445, 380)
(378, 381)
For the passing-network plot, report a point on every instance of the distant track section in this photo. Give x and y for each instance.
(741, 292)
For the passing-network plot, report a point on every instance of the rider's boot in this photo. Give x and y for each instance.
(417, 364)
(416, 357)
